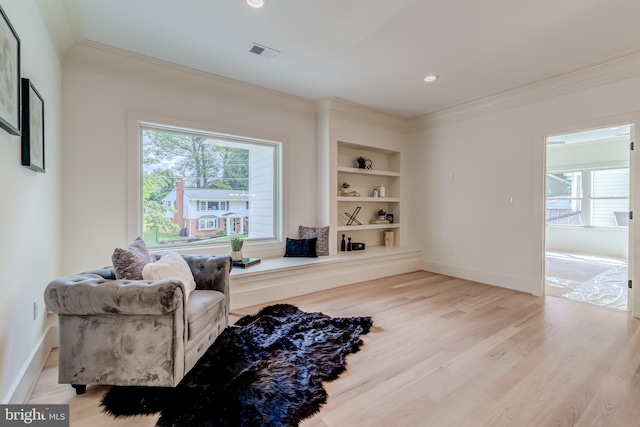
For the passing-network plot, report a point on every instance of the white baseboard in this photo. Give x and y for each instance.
(27, 379)
(521, 284)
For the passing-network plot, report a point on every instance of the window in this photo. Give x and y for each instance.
(187, 174)
(564, 198)
(590, 197)
(211, 206)
(609, 194)
(208, 224)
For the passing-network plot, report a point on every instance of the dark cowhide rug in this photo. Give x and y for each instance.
(266, 370)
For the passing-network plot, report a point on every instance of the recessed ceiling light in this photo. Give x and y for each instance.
(255, 3)
(614, 128)
(431, 78)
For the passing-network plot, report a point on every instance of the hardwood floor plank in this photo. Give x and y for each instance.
(449, 352)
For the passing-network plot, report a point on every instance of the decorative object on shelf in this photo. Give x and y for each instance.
(388, 238)
(352, 216)
(390, 218)
(246, 262)
(349, 245)
(344, 190)
(375, 192)
(32, 127)
(236, 248)
(382, 190)
(356, 246)
(343, 244)
(10, 88)
(382, 215)
(379, 221)
(364, 163)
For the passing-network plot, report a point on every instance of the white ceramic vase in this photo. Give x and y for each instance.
(236, 255)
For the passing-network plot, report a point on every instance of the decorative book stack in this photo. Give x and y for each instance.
(246, 262)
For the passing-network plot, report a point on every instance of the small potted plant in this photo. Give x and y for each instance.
(362, 162)
(344, 189)
(236, 247)
(382, 215)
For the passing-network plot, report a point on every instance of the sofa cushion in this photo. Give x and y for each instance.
(301, 247)
(203, 308)
(171, 265)
(322, 233)
(129, 261)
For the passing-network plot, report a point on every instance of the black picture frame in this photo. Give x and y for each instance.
(390, 218)
(9, 76)
(32, 127)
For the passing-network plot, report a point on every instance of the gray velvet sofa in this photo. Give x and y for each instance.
(136, 332)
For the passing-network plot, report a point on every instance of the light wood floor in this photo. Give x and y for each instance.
(449, 352)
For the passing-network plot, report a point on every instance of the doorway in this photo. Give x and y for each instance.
(587, 216)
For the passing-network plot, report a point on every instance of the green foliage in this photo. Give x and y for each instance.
(197, 160)
(154, 217)
(236, 243)
(190, 157)
(157, 184)
(381, 212)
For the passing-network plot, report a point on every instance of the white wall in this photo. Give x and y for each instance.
(102, 86)
(464, 225)
(30, 214)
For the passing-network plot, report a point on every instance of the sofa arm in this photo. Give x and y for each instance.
(89, 294)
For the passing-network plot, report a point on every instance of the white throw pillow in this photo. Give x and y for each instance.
(171, 265)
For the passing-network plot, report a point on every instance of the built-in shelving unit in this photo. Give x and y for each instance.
(385, 170)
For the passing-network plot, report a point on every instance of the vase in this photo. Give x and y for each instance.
(236, 255)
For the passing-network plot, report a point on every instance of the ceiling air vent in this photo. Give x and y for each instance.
(264, 51)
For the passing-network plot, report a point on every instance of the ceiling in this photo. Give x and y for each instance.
(374, 52)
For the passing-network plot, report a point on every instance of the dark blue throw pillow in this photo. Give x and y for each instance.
(301, 247)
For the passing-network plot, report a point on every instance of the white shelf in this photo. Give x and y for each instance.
(369, 199)
(373, 172)
(368, 227)
(386, 167)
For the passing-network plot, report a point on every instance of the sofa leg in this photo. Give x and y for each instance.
(80, 388)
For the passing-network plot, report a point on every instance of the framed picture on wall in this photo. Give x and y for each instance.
(32, 127)
(9, 76)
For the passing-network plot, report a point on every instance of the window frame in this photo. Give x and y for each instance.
(135, 124)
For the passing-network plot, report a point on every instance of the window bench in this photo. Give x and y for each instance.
(278, 278)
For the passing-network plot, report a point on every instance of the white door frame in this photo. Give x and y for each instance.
(634, 190)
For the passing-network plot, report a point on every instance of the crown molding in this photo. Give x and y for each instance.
(610, 70)
(108, 60)
(354, 112)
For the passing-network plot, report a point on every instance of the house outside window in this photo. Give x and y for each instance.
(188, 174)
